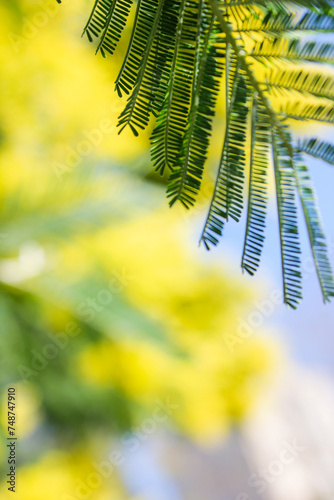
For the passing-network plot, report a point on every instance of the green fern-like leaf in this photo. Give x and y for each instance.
(299, 111)
(97, 19)
(107, 21)
(257, 195)
(294, 51)
(288, 222)
(172, 119)
(146, 90)
(141, 30)
(302, 82)
(286, 22)
(318, 149)
(227, 197)
(314, 228)
(185, 180)
(318, 6)
(180, 55)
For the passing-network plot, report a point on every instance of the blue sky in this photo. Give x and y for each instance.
(308, 332)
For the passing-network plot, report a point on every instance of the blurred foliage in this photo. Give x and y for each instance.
(103, 314)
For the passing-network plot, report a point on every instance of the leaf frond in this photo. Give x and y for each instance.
(314, 228)
(294, 50)
(277, 6)
(285, 22)
(151, 78)
(177, 55)
(257, 193)
(227, 199)
(185, 180)
(301, 111)
(107, 21)
(131, 62)
(288, 221)
(318, 149)
(302, 81)
(167, 136)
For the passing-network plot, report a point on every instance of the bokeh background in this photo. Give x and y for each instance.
(145, 367)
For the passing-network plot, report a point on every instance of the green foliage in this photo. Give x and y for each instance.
(172, 119)
(314, 227)
(288, 222)
(180, 54)
(227, 198)
(107, 21)
(257, 196)
(316, 84)
(295, 51)
(185, 180)
(318, 149)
